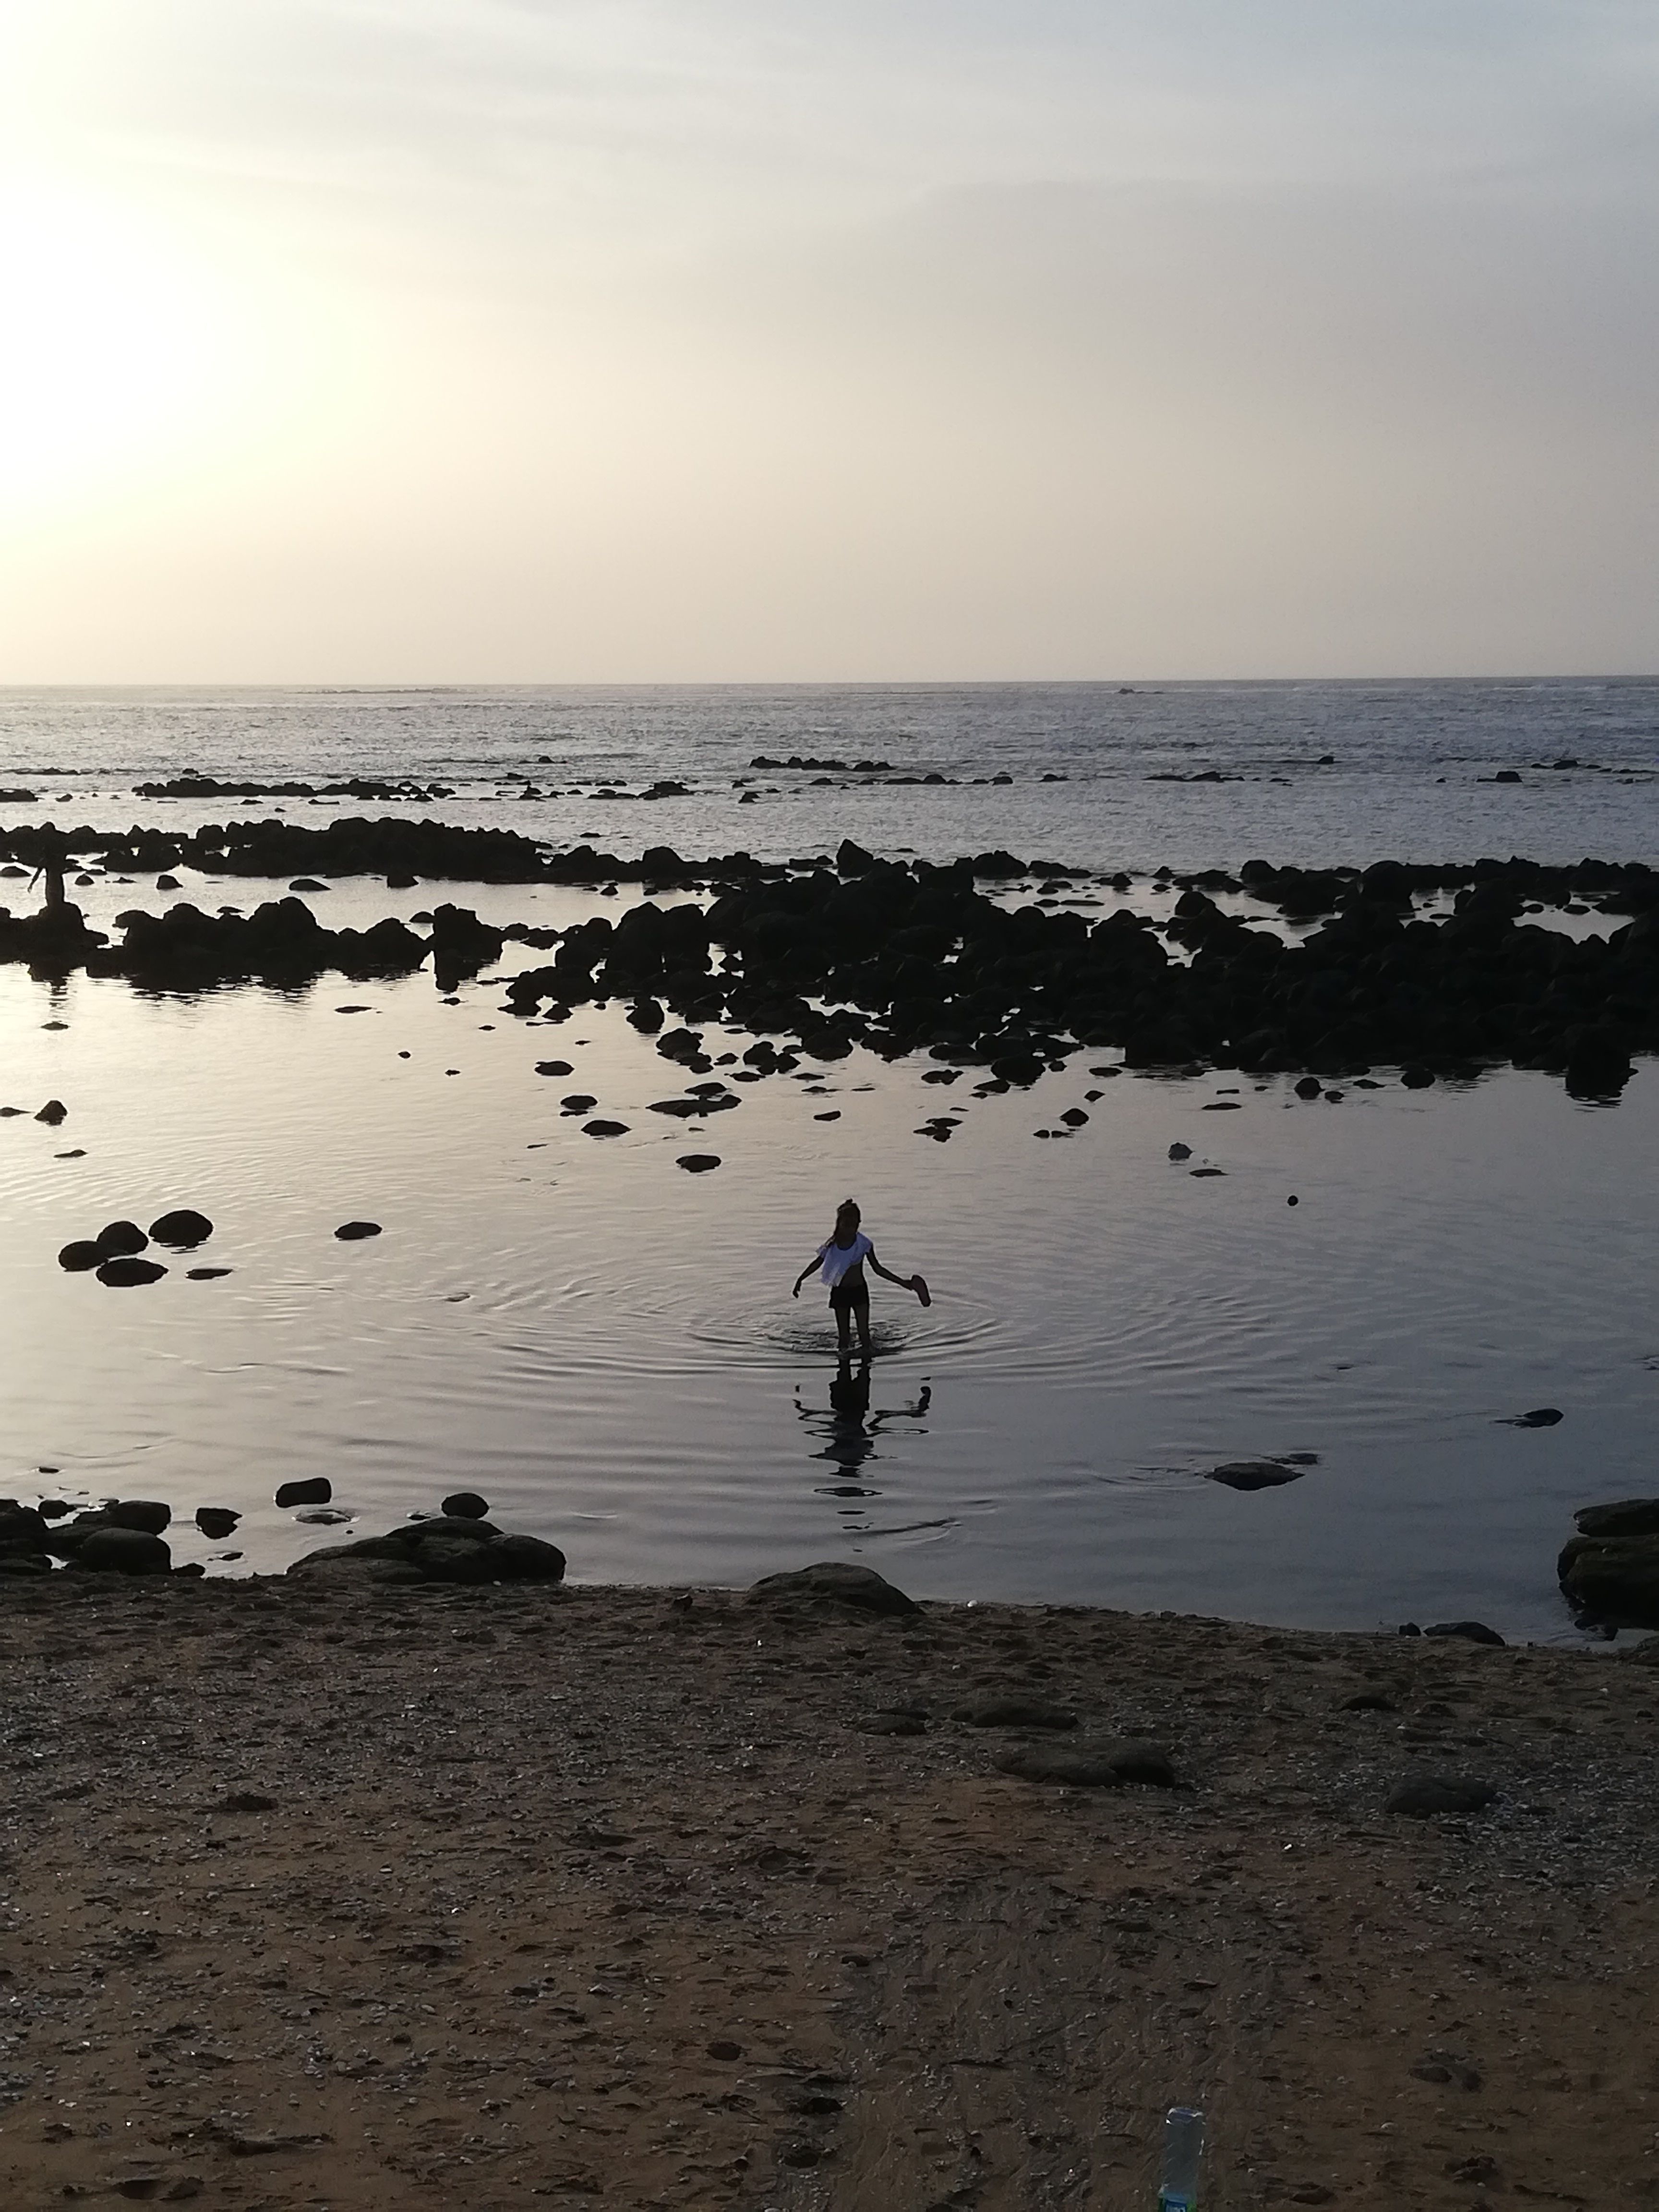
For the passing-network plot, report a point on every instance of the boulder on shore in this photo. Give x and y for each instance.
(836, 1581)
(1614, 1579)
(449, 1548)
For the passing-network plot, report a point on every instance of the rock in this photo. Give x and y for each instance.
(23, 1528)
(127, 1273)
(79, 1256)
(466, 1505)
(1416, 1078)
(994, 1711)
(1309, 1087)
(554, 1067)
(1613, 1578)
(836, 1581)
(182, 1230)
(1074, 1117)
(892, 1723)
(521, 1559)
(1447, 2066)
(247, 1801)
(205, 1274)
(578, 1102)
(1181, 1152)
(604, 1129)
(1542, 1417)
(53, 1113)
(326, 1517)
(1420, 1794)
(117, 1239)
(449, 1548)
(724, 2050)
(352, 1232)
(1253, 1474)
(216, 1521)
(122, 1552)
(1207, 1171)
(1627, 1516)
(308, 1490)
(698, 1162)
(1091, 1766)
(149, 1514)
(1471, 1631)
(686, 1108)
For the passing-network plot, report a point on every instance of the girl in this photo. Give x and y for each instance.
(841, 1262)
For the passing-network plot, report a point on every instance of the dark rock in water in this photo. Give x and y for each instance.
(1308, 1087)
(1207, 1171)
(1598, 1062)
(53, 1113)
(306, 883)
(149, 1514)
(205, 1274)
(118, 1237)
(687, 1110)
(1074, 1117)
(521, 1558)
(1416, 1078)
(308, 1490)
(1471, 1631)
(1181, 1152)
(578, 1102)
(1091, 1766)
(166, 883)
(836, 1580)
(326, 1517)
(1542, 1417)
(604, 1129)
(216, 1521)
(352, 1232)
(79, 1256)
(1420, 1794)
(1613, 1578)
(1253, 1474)
(123, 1551)
(182, 1230)
(647, 1016)
(192, 1570)
(992, 1710)
(466, 1505)
(698, 1162)
(127, 1273)
(1625, 1517)
(553, 1068)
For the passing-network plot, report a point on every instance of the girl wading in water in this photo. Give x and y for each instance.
(842, 1264)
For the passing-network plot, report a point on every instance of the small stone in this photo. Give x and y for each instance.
(205, 1274)
(53, 1113)
(126, 1273)
(77, 1257)
(1253, 1474)
(578, 1102)
(604, 1129)
(182, 1230)
(466, 1505)
(117, 1239)
(352, 1232)
(698, 1162)
(1308, 1087)
(309, 1490)
(554, 1067)
(1420, 1794)
(1540, 1417)
(1181, 1152)
(216, 1521)
(149, 1514)
(724, 2049)
(1207, 1171)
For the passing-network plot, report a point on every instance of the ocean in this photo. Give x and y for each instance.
(605, 1346)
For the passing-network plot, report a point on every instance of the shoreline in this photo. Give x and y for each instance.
(322, 1891)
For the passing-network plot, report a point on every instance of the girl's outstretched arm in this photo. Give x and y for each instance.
(904, 1282)
(812, 1265)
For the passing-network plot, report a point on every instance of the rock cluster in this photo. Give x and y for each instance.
(451, 1547)
(1609, 1572)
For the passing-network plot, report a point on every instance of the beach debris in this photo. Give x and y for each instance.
(182, 1230)
(1419, 1795)
(352, 1232)
(127, 1273)
(835, 1582)
(305, 1489)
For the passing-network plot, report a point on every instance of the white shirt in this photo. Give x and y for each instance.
(838, 1260)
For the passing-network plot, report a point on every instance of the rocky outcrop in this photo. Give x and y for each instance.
(448, 1548)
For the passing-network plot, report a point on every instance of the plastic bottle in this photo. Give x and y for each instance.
(1183, 2147)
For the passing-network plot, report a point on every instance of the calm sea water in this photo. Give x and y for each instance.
(1409, 780)
(605, 1345)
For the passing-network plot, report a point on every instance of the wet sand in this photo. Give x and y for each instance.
(316, 1894)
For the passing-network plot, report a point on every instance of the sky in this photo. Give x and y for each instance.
(519, 341)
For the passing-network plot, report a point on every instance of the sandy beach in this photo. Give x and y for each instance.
(320, 1893)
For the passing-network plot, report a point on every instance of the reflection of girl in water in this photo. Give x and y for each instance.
(850, 1427)
(842, 1264)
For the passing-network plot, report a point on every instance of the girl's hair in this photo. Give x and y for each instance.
(849, 1206)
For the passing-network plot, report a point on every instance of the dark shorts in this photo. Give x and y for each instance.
(848, 1297)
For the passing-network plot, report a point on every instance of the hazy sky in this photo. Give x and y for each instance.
(519, 340)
